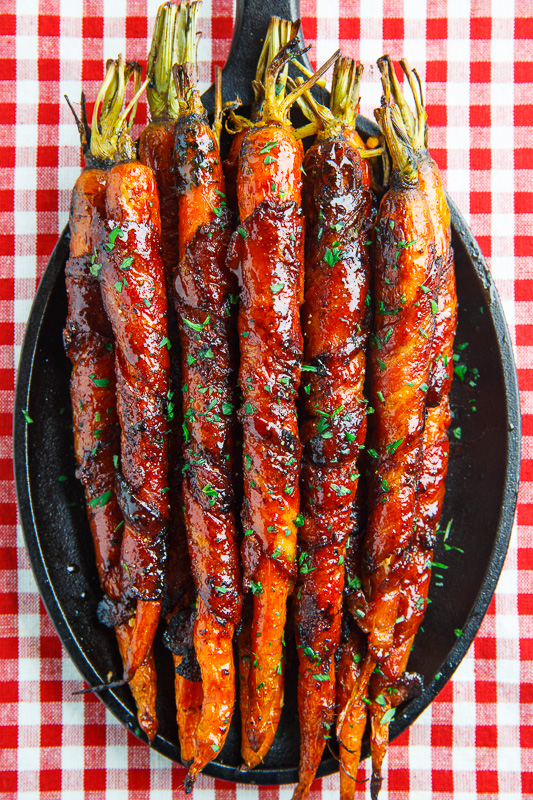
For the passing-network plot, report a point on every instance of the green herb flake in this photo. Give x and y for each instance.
(101, 382)
(26, 416)
(98, 502)
(388, 716)
(321, 677)
(393, 446)
(165, 342)
(276, 288)
(256, 588)
(381, 365)
(197, 326)
(332, 255)
(434, 307)
(242, 233)
(112, 237)
(126, 264)
(268, 146)
(118, 286)
(340, 490)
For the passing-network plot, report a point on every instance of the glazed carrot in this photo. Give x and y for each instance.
(204, 291)
(405, 286)
(132, 282)
(337, 201)
(156, 150)
(268, 253)
(352, 649)
(90, 345)
(280, 31)
(430, 494)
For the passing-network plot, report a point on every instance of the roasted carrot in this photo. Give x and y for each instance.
(90, 345)
(204, 291)
(268, 253)
(352, 649)
(132, 282)
(337, 201)
(430, 493)
(405, 288)
(280, 31)
(156, 150)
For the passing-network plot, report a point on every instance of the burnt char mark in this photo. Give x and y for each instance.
(179, 638)
(114, 612)
(193, 150)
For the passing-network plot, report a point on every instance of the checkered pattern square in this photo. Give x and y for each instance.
(475, 57)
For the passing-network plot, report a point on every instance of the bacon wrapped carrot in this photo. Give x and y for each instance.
(204, 296)
(90, 346)
(405, 287)
(268, 252)
(132, 283)
(156, 150)
(337, 201)
(430, 495)
(352, 649)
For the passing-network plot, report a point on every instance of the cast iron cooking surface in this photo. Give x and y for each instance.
(481, 495)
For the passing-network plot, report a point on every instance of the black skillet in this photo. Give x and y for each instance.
(481, 491)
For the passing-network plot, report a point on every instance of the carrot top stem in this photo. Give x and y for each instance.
(415, 127)
(344, 101)
(390, 120)
(185, 71)
(279, 33)
(219, 109)
(166, 50)
(109, 137)
(83, 126)
(276, 107)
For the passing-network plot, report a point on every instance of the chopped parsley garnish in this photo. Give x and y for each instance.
(97, 502)
(101, 382)
(242, 233)
(332, 255)
(268, 146)
(388, 716)
(26, 416)
(112, 237)
(197, 326)
(276, 288)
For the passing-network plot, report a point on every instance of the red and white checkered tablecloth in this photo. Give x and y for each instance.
(476, 57)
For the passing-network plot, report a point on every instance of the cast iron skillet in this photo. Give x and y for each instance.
(481, 492)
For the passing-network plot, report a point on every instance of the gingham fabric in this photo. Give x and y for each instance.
(476, 739)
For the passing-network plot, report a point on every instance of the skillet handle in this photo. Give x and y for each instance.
(251, 23)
